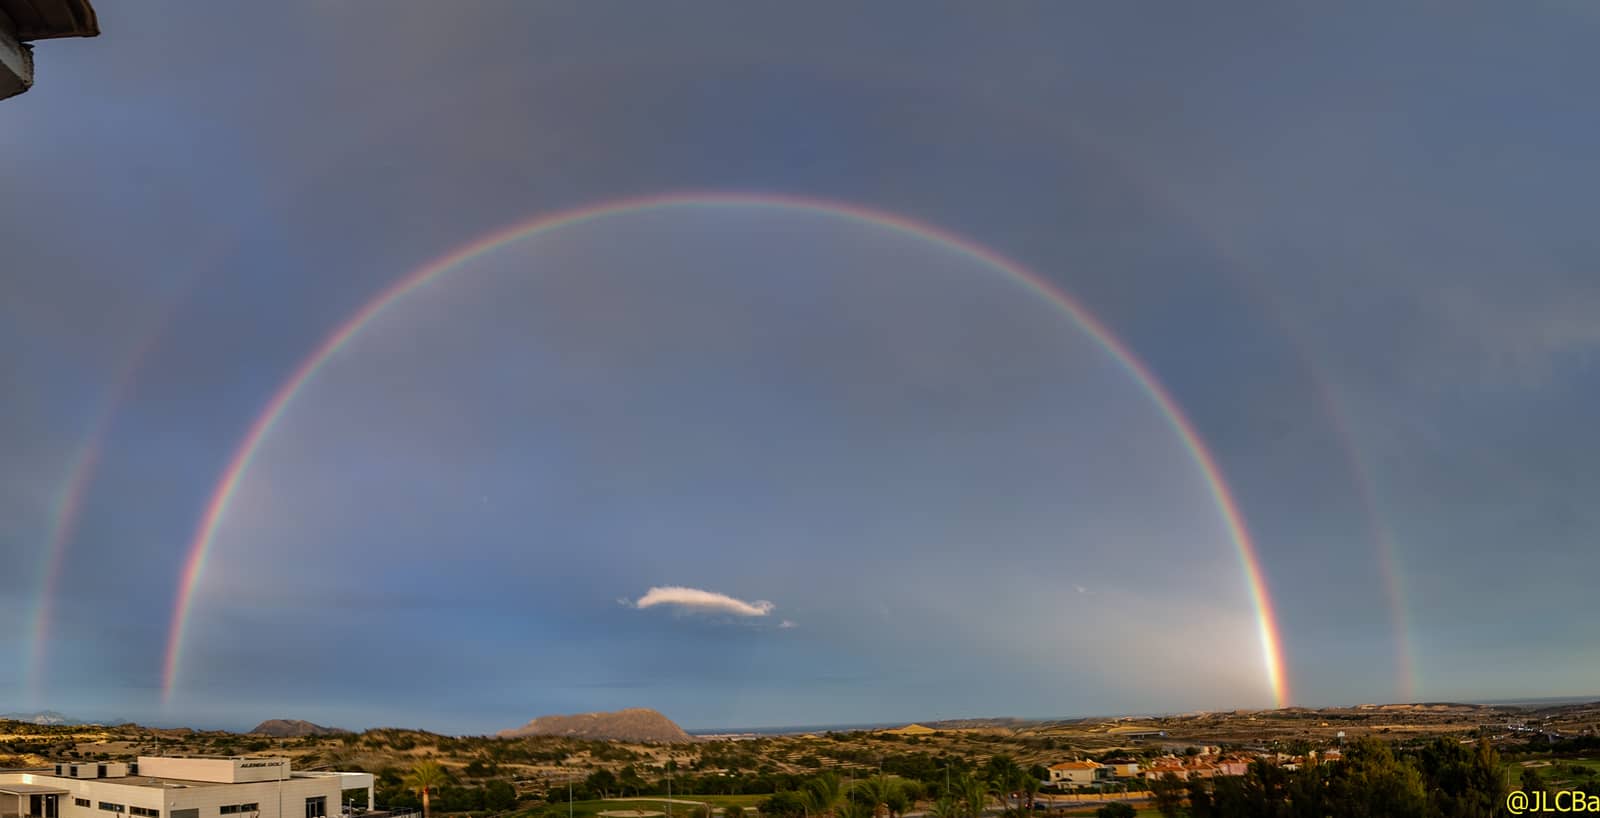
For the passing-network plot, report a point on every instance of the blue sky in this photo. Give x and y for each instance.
(1350, 242)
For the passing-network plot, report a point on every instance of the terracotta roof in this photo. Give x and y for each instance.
(1075, 765)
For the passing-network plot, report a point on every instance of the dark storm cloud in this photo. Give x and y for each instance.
(1373, 204)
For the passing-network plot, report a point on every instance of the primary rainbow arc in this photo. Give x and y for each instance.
(221, 495)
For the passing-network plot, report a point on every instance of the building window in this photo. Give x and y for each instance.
(82, 802)
(110, 807)
(317, 807)
(145, 811)
(235, 809)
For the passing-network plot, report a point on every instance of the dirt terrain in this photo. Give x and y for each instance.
(541, 761)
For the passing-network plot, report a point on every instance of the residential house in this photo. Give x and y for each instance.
(1074, 774)
(1121, 767)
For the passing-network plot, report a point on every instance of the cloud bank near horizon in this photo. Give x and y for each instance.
(696, 600)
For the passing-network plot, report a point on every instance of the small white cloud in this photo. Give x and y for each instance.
(787, 623)
(698, 601)
(1080, 589)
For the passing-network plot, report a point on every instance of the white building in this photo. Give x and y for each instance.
(169, 787)
(1074, 774)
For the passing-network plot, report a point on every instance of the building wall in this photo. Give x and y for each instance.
(221, 770)
(294, 792)
(1076, 778)
(208, 799)
(95, 791)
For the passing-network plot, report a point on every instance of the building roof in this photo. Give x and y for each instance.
(140, 781)
(1075, 765)
(170, 783)
(31, 789)
(49, 19)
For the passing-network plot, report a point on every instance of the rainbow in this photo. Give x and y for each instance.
(217, 505)
(68, 511)
(1383, 541)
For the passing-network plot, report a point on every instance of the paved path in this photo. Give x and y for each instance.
(657, 800)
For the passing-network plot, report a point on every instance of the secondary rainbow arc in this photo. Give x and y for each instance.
(218, 502)
(68, 512)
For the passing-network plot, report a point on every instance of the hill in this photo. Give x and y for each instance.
(640, 724)
(43, 718)
(294, 728)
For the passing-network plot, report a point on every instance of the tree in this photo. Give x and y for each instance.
(733, 811)
(945, 807)
(1264, 788)
(423, 779)
(1308, 791)
(700, 811)
(1372, 783)
(1461, 782)
(499, 796)
(1227, 797)
(974, 795)
(1002, 770)
(875, 791)
(822, 795)
(630, 781)
(1201, 804)
(900, 799)
(601, 781)
(1166, 794)
(783, 804)
(1116, 809)
(1028, 785)
(1531, 782)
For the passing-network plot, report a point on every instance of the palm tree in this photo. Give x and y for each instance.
(974, 794)
(902, 797)
(822, 794)
(424, 778)
(876, 791)
(946, 807)
(1029, 788)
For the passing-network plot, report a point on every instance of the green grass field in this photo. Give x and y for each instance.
(590, 809)
(1560, 770)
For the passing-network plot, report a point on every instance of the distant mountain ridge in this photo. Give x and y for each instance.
(639, 724)
(43, 717)
(294, 728)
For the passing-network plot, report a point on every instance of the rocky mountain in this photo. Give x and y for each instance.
(294, 728)
(639, 724)
(44, 717)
